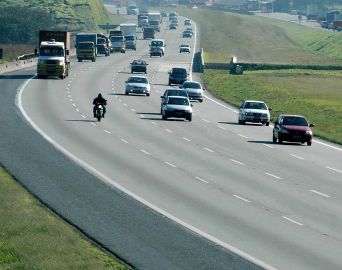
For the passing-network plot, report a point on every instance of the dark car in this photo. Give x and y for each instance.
(292, 128)
(139, 66)
(187, 34)
(102, 49)
(178, 76)
(173, 26)
(172, 92)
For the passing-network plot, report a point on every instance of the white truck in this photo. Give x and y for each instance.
(130, 33)
(155, 19)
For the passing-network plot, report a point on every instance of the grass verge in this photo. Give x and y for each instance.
(32, 237)
(315, 94)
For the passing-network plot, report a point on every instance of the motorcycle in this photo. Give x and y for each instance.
(99, 112)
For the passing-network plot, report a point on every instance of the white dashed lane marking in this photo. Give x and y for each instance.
(188, 140)
(243, 136)
(274, 176)
(335, 170)
(236, 161)
(202, 180)
(145, 152)
(293, 221)
(124, 141)
(170, 164)
(242, 199)
(320, 193)
(295, 156)
(208, 149)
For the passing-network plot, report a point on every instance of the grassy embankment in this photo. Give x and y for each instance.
(315, 94)
(74, 15)
(32, 237)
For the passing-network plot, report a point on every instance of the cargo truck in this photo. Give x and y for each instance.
(86, 46)
(53, 59)
(130, 31)
(148, 32)
(142, 20)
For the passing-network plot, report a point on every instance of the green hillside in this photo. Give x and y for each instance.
(71, 14)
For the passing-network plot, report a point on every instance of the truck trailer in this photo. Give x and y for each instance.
(130, 31)
(53, 59)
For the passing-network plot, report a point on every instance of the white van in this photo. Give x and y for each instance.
(158, 43)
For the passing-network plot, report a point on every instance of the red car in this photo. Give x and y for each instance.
(292, 128)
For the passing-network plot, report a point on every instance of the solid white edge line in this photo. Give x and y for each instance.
(320, 193)
(293, 221)
(241, 198)
(112, 183)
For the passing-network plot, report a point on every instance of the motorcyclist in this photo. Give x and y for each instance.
(99, 100)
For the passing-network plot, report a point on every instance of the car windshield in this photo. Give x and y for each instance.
(178, 71)
(178, 101)
(157, 43)
(255, 105)
(193, 85)
(176, 93)
(85, 45)
(137, 62)
(294, 121)
(137, 80)
(101, 41)
(116, 38)
(185, 46)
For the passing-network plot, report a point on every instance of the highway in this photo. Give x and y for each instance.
(206, 194)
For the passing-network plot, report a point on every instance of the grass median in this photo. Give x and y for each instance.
(315, 94)
(32, 237)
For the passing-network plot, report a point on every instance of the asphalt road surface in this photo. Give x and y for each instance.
(206, 194)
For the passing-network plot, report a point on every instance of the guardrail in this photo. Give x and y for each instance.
(16, 65)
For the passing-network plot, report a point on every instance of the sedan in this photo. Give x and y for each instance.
(194, 90)
(173, 26)
(137, 85)
(254, 111)
(139, 66)
(292, 128)
(187, 34)
(171, 92)
(178, 107)
(184, 48)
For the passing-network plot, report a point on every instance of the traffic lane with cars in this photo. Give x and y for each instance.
(136, 138)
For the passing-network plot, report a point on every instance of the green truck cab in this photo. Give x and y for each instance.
(86, 46)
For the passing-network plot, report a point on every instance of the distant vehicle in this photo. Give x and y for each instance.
(187, 22)
(102, 47)
(148, 32)
(178, 76)
(178, 107)
(164, 14)
(190, 30)
(187, 34)
(194, 90)
(128, 29)
(116, 33)
(137, 85)
(155, 24)
(142, 20)
(132, 10)
(173, 26)
(292, 128)
(131, 42)
(139, 66)
(156, 51)
(86, 46)
(160, 43)
(118, 44)
(184, 48)
(324, 24)
(254, 111)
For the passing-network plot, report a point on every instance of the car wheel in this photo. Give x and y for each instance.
(201, 100)
(190, 118)
(267, 124)
(126, 93)
(309, 143)
(148, 94)
(131, 70)
(240, 122)
(169, 82)
(243, 122)
(280, 141)
(164, 117)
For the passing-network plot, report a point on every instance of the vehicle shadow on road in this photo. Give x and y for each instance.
(229, 123)
(262, 142)
(16, 77)
(148, 113)
(81, 120)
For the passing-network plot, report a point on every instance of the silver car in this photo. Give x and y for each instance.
(178, 107)
(254, 111)
(137, 85)
(194, 90)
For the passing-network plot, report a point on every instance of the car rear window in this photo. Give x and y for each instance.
(255, 105)
(178, 101)
(294, 121)
(191, 85)
(179, 71)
